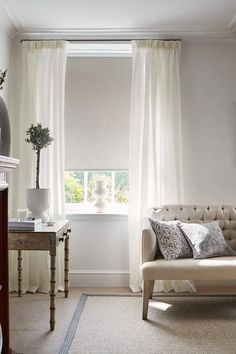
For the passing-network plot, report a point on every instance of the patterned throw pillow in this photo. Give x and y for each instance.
(171, 240)
(206, 240)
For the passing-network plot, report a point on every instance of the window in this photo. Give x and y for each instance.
(97, 113)
(79, 187)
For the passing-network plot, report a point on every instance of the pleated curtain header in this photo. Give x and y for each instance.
(44, 44)
(156, 43)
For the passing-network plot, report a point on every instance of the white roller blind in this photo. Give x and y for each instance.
(97, 108)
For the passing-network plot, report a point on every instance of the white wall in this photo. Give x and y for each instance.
(209, 122)
(99, 250)
(5, 50)
(99, 246)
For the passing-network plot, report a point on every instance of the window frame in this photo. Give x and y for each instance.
(86, 207)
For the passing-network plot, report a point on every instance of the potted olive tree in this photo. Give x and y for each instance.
(38, 198)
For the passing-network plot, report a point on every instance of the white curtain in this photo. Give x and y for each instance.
(155, 144)
(42, 101)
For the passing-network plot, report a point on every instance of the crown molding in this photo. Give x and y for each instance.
(128, 34)
(11, 17)
(208, 32)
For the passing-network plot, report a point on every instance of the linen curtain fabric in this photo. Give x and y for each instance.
(155, 144)
(42, 101)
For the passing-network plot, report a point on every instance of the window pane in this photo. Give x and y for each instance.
(74, 187)
(121, 187)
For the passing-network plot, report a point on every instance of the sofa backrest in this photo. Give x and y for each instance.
(226, 214)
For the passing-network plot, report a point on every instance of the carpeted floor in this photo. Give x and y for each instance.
(113, 325)
(29, 319)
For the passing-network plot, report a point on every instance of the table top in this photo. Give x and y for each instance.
(59, 224)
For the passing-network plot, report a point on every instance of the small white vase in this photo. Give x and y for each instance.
(100, 192)
(37, 201)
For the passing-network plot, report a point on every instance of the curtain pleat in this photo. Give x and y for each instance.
(42, 101)
(155, 144)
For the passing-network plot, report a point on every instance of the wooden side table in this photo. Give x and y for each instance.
(46, 239)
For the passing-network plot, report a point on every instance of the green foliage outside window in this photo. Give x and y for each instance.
(121, 187)
(74, 192)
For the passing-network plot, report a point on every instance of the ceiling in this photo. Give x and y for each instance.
(123, 17)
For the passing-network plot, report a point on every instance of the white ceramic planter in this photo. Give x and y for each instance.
(37, 201)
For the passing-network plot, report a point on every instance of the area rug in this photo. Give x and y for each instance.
(104, 324)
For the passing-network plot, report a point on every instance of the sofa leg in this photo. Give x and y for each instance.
(152, 282)
(146, 294)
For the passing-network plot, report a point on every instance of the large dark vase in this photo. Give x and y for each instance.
(5, 133)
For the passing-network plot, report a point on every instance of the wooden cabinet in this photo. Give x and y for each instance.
(6, 165)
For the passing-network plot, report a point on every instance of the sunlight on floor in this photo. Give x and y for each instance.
(159, 305)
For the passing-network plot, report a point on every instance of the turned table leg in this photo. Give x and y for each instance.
(19, 269)
(66, 267)
(52, 291)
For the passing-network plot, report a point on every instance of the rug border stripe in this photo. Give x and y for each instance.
(73, 325)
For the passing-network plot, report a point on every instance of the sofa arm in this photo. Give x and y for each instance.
(149, 245)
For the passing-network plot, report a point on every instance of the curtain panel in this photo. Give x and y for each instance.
(155, 144)
(42, 101)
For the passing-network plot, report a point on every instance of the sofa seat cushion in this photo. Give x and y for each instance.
(217, 268)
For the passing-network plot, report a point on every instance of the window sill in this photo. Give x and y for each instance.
(86, 211)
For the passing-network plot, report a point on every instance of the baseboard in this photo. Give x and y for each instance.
(99, 278)
(120, 278)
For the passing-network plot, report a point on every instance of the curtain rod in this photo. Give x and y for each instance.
(98, 40)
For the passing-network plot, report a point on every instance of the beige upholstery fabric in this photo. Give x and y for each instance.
(217, 268)
(226, 214)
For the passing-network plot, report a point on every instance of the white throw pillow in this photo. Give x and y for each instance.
(206, 240)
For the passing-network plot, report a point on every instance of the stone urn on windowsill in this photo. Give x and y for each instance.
(100, 193)
(37, 199)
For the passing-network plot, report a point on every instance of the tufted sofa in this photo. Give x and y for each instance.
(217, 268)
